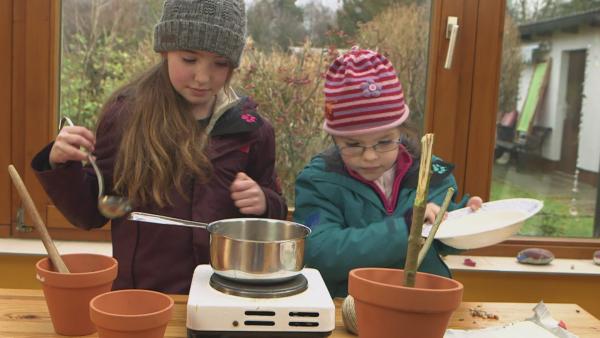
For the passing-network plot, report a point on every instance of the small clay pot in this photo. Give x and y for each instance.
(131, 313)
(68, 294)
(387, 309)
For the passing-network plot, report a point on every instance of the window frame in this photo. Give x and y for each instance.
(6, 32)
(464, 124)
(471, 145)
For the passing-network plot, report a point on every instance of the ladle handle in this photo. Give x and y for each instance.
(37, 220)
(66, 120)
(153, 218)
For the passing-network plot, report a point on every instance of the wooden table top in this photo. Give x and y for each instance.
(23, 313)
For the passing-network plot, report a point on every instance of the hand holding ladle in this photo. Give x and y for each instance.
(110, 206)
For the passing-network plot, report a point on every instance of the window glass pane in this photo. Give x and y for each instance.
(547, 143)
(288, 85)
(107, 42)
(104, 44)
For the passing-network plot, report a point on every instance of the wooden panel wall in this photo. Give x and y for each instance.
(22, 272)
(6, 17)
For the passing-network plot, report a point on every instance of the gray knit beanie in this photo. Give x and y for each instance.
(217, 26)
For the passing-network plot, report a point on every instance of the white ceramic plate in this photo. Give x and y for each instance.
(492, 224)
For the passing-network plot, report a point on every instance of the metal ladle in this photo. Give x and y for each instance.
(110, 206)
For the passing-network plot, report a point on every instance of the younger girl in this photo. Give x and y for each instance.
(178, 142)
(357, 197)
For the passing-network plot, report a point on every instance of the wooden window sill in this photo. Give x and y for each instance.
(575, 248)
(13, 246)
(559, 266)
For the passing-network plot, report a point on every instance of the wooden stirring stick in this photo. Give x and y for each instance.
(37, 220)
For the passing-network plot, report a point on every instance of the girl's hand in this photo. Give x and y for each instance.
(475, 203)
(431, 211)
(248, 195)
(68, 142)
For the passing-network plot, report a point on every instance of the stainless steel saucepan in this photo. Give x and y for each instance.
(253, 250)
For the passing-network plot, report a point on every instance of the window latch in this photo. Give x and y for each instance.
(21, 226)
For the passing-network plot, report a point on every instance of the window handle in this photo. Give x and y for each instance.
(451, 34)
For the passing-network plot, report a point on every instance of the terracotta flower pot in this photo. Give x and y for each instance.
(385, 308)
(131, 314)
(68, 294)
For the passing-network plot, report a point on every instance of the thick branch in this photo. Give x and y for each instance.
(415, 239)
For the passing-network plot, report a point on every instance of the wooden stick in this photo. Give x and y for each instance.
(436, 225)
(37, 220)
(415, 239)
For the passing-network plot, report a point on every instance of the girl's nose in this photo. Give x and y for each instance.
(202, 72)
(201, 75)
(370, 154)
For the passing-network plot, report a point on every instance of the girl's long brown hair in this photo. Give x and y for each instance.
(162, 144)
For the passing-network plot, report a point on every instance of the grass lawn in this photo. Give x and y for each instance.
(553, 220)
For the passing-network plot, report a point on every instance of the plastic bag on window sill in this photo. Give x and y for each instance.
(541, 325)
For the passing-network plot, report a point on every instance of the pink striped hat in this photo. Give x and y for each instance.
(362, 94)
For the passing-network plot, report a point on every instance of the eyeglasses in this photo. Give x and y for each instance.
(380, 147)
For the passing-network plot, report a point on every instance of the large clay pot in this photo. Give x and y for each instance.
(131, 314)
(68, 294)
(387, 309)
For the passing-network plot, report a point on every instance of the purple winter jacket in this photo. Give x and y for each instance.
(163, 257)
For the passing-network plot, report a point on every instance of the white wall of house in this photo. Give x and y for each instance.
(554, 105)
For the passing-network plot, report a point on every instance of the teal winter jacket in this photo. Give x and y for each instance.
(352, 228)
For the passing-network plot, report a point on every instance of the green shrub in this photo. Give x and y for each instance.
(288, 88)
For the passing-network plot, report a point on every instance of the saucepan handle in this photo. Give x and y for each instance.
(153, 218)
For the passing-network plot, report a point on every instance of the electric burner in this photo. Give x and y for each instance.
(221, 308)
(281, 289)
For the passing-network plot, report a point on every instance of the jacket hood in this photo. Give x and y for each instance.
(226, 99)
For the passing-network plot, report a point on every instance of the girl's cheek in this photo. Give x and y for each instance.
(348, 164)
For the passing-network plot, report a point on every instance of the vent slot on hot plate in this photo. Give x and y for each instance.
(260, 313)
(259, 323)
(298, 315)
(304, 324)
(304, 314)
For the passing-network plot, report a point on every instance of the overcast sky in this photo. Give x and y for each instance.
(333, 4)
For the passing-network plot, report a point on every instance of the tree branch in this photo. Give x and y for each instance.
(415, 239)
(436, 225)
